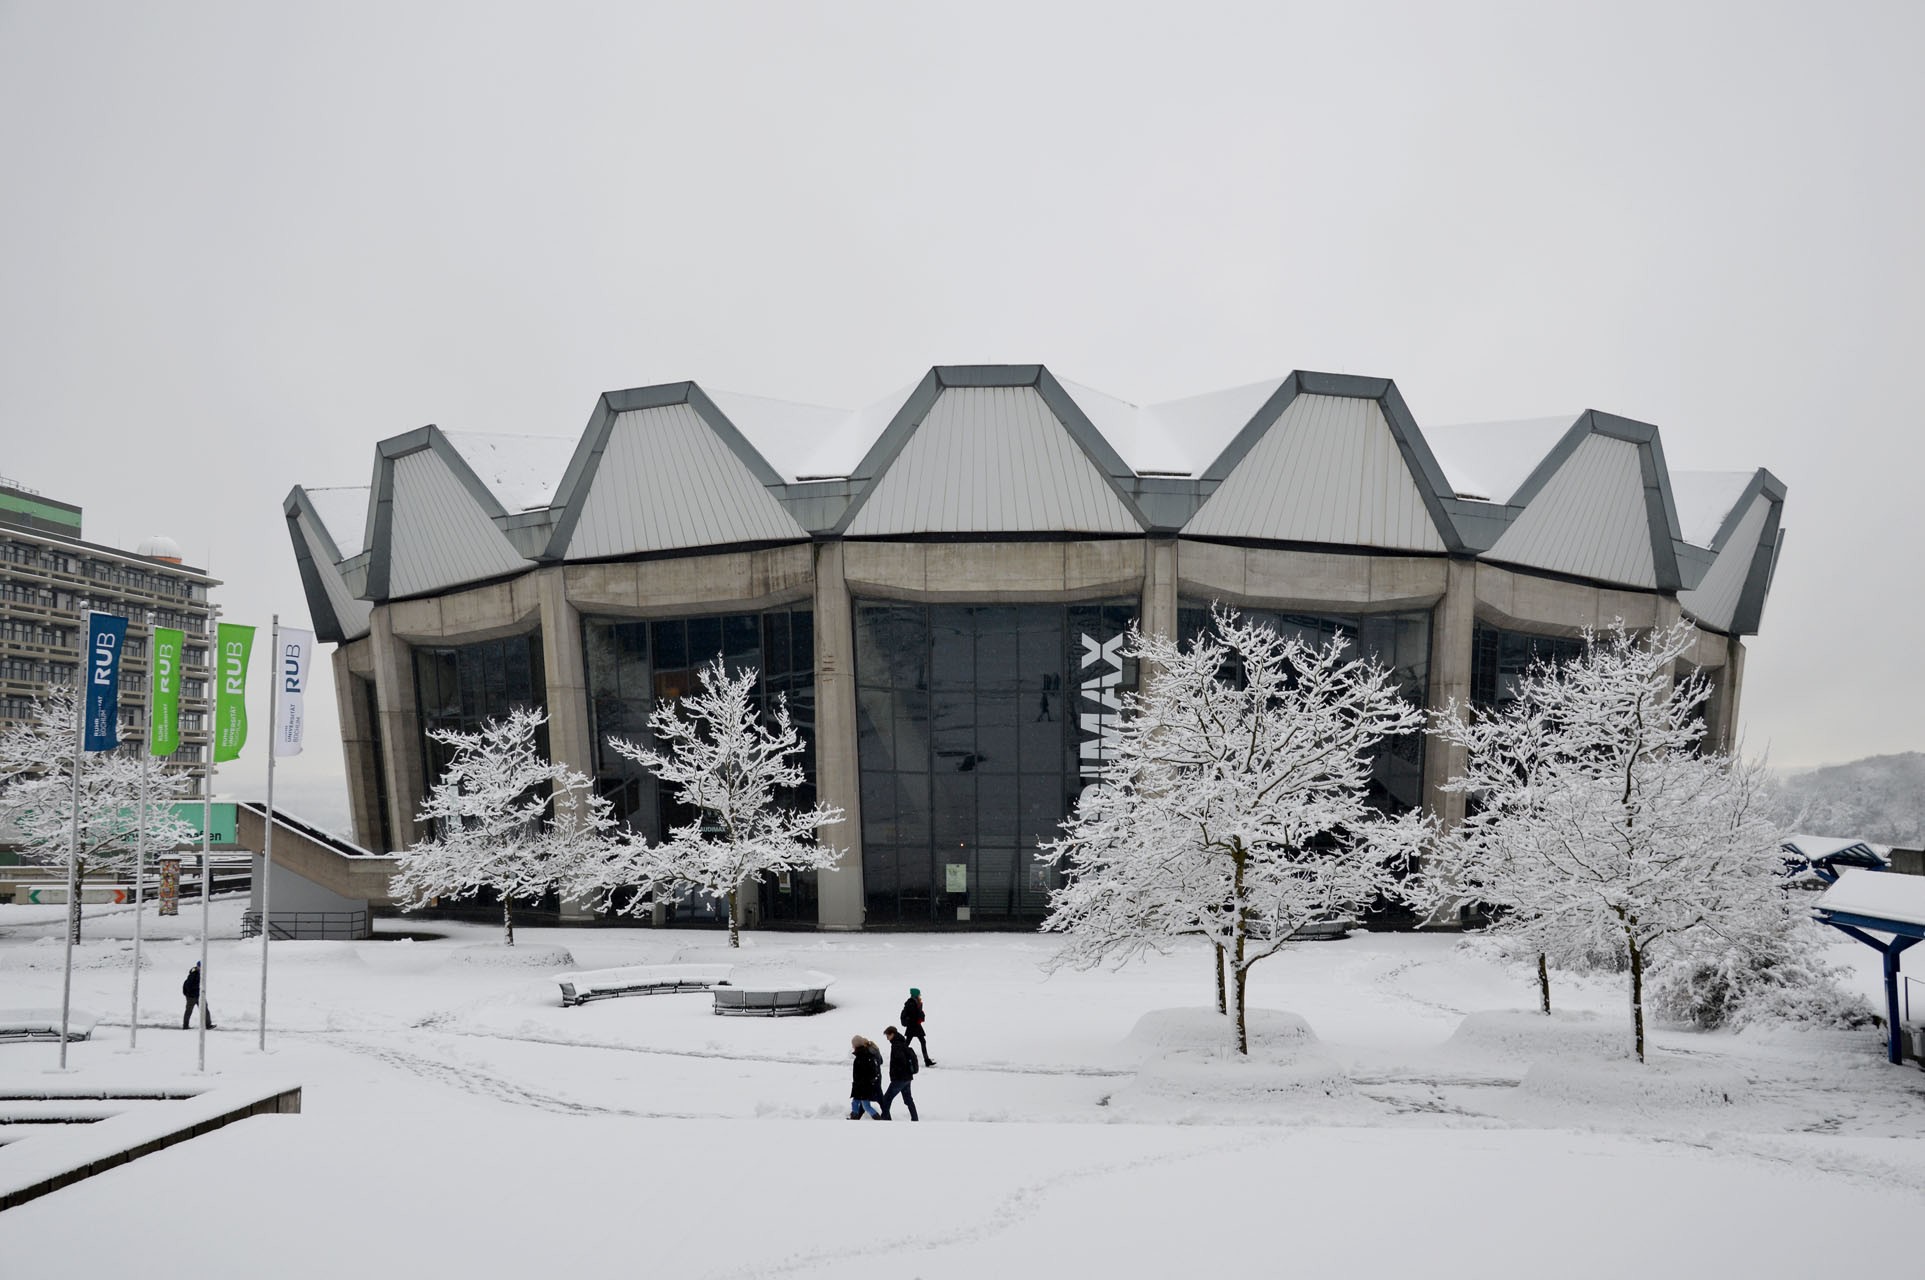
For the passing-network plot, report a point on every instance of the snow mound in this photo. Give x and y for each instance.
(496, 955)
(1522, 1035)
(1176, 1035)
(51, 958)
(1658, 1085)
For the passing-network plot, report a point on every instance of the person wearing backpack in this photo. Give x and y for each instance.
(865, 1083)
(912, 1023)
(902, 1069)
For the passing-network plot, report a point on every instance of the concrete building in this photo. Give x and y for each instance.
(49, 575)
(938, 586)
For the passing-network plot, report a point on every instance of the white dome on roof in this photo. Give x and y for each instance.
(158, 547)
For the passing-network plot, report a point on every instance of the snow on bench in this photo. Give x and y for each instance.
(773, 993)
(639, 980)
(44, 1024)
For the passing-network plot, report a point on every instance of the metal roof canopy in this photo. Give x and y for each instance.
(1866, 902)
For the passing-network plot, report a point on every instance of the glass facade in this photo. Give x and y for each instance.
(1399, 641)
(1500, 659)
(977, 726)
(634, 665)
(463, 687)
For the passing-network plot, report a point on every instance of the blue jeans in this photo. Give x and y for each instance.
(909, 1099)
(857, 1106)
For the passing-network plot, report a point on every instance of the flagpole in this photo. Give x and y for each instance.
(207, 823)
(73, 843)
(140, 856)
(267, 841)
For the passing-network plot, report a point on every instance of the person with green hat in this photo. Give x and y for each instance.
(912, 1024)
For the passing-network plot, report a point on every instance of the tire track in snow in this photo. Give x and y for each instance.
(1016, 1207)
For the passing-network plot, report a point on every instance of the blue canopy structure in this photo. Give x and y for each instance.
(1863, 903)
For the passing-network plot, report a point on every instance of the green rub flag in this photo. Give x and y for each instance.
(231, 646)
(163, 731)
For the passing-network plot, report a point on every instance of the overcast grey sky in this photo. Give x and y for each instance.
(243, 242)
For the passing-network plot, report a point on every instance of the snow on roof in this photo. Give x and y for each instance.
(1489, 460)
(788, 435)
(522, 471)
(1183, 436)
(1703, 499)
(1825, 846)
(1885, 895)
(344, 512)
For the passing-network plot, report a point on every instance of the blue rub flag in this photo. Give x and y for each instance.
(105, 636)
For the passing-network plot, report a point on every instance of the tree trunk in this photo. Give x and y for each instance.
(1242, 924)
(507, 921)
(735, 928)
(1637, 996)
(73, 908)
(1543, 985)
(1243, 979)
(1222, 1001)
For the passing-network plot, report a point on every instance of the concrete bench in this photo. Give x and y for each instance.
(639, 980)
(796, 995)
(44, 1024)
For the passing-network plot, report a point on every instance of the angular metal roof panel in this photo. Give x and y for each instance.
(1328, 470)
(336, 613)
(666, 480)
(1715, 602)
(991, 459)
(438, 534)
(1589, 519)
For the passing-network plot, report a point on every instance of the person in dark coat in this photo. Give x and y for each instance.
(865, 1084)
(192, 990)
(902, 1069)
(912, 1023)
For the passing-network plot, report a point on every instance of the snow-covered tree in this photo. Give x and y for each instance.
(503, 819)
(1234, 806)
(731, 764)
(1598, 825)
(37, 796)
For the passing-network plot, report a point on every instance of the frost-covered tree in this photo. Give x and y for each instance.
(731, 764)
(37, 796)
(1234, 804)
(504, 819)
(1598, 825)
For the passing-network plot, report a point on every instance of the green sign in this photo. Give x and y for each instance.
(163, 730)
(222, 825)
(956, 877)
(231, 648)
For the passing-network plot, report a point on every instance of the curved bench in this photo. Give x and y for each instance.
(639, 980)
(756, 999)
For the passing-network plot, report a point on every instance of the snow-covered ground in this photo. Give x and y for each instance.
(458, 1120)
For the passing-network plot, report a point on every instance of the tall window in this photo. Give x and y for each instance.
(1398, 641)
(634, 665)
(977, 726)
(465, 686)
(1500, 659)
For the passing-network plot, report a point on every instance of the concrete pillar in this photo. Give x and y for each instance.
(361, 754)
(565, 674)
(1731, 681)
(1159, 588)
(400, 726)
(838, 777)
(1452, 646)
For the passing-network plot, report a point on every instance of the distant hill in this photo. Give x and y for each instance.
(1880, 798)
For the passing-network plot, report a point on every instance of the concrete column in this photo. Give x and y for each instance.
(838, 777)
(1159, 588)
(1731, 683)
(565, 674)
(400, 725)
(360, 753)
(1452, 646)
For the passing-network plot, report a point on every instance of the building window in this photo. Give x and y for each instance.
(462, 688)
(1500, 660)
(633, 666)
(1398, 641)
(977, 727)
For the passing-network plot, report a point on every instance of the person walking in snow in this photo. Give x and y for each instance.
(865, 1084)
(192, 990)
(912, 1023)
(902, 1069)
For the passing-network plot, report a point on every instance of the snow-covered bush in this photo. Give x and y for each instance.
(1780, 976)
